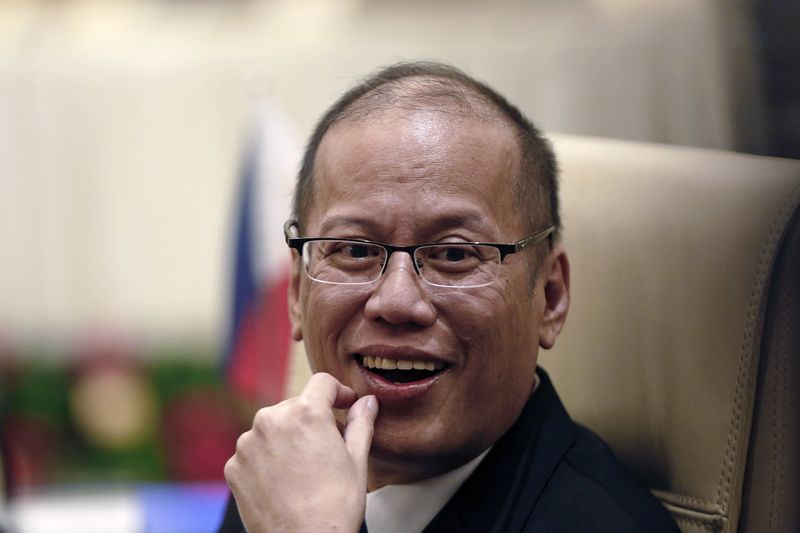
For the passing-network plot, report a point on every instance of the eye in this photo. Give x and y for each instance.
(451, 258)
(356, 251)
(454, 254)
(450, 254)
(348, 254)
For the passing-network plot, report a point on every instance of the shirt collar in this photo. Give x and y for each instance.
(409, 507)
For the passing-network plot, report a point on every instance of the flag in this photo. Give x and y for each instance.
(258, 348)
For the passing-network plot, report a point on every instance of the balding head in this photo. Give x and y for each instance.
(434, 87)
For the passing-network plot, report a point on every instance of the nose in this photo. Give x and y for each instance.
(399, 296)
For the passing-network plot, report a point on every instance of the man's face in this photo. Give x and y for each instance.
(419, 177)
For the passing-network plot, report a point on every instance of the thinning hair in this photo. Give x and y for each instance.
(423, 85)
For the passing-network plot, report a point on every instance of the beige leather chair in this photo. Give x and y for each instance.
(682, 347)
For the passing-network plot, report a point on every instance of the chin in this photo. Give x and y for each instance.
(402, 458)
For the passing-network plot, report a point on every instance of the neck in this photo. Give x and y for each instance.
(384, 471)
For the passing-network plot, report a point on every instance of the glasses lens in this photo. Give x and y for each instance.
(343, 261)
(458, 265)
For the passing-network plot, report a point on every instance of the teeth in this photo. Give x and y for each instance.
(400, 364)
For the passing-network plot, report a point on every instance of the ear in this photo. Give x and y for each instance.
(556, 296)
(295, 314)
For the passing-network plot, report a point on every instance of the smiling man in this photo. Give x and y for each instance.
(427, 274)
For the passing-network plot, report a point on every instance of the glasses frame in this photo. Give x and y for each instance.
(505, 249)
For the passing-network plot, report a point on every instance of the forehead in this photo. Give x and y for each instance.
(420, 164)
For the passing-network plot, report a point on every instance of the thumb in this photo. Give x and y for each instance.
(358, 433)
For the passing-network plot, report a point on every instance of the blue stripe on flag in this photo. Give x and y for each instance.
(245, 286)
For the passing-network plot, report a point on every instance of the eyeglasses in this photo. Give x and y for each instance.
(447, 264)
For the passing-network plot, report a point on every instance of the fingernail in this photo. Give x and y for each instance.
(372, 404)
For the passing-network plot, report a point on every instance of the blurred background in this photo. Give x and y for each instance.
(147, 152)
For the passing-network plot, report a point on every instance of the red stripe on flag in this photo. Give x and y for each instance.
(260, 360)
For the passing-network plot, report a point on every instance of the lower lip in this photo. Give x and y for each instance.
(390, 392)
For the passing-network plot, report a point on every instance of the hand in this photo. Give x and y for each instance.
(295, 471)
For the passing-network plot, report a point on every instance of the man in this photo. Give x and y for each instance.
(427, 273)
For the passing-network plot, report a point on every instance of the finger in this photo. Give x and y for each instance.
(359, 430)
(326, 389)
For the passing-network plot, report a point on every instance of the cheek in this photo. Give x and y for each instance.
(499, 361)
(496, 329)
(487, 318)
(327, 311)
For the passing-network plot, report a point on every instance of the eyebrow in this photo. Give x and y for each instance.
(345, 221)
(465, 219)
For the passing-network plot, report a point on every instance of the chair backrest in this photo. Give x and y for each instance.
(682, 346)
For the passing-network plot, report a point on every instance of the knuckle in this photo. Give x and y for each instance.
(229, 470)
(263, 420)
(307, 411)
(322, 378)
(262, 414)
(241, 444)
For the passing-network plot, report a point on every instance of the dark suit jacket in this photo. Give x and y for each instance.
(546, 474)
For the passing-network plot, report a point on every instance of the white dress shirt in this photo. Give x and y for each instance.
(409, 508)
